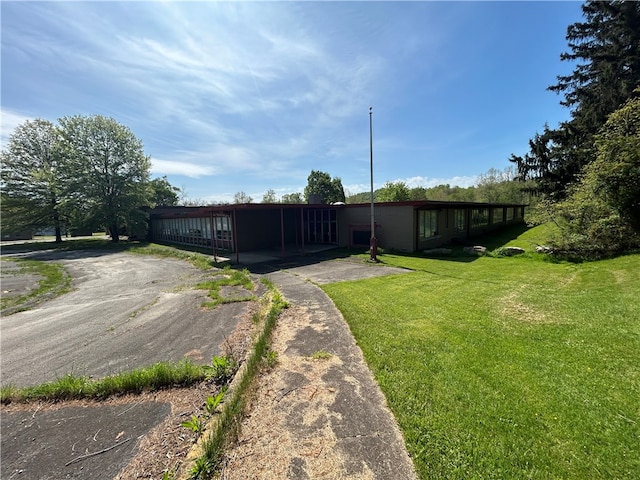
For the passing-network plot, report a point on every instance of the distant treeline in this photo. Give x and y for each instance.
(494, 186)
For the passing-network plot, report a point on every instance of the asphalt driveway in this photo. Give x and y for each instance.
(125, 311)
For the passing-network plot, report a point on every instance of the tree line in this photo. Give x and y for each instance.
(83, 173)
(586, 171)
(494, 186)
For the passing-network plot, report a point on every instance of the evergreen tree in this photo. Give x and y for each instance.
(607, 48)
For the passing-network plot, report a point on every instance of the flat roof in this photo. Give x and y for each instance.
(208, 210)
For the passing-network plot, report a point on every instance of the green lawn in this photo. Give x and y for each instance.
(507, 368)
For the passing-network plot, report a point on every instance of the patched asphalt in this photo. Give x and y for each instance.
(124, 311)
(32, 442)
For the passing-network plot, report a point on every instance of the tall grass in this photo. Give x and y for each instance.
(507, 367)
(157, 376)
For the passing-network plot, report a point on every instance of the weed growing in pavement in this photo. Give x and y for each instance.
(321, 355)
(227, 277)
(222, 369)
(9, 393)
(194, 424)
(201, 468)
(267, 282)
(167, 475)
(270, 359)
(159, 375)
(213, 402)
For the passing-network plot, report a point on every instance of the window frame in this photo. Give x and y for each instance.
(430, 226)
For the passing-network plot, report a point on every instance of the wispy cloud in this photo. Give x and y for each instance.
(173, 167)
(265, 91)
(9, 120)
(217, 73)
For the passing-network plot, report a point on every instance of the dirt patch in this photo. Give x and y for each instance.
(511, 306)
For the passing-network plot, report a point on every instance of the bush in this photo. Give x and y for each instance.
(601, 214)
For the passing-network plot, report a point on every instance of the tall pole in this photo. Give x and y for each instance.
(373, 246)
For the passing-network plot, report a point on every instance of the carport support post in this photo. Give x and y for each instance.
(373, 246)
(213, 237)
(302, 228)
(282, 230)
(235, 235)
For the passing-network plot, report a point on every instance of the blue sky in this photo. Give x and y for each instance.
(239, 96)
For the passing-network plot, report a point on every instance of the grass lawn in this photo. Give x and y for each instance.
(507, 368)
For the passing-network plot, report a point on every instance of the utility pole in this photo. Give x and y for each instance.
(373, 246)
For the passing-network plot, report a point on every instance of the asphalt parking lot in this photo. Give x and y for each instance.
(125, 311)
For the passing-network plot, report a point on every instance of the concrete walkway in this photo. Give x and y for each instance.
(322, 413)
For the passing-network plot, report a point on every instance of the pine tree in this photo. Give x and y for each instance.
(607, 48)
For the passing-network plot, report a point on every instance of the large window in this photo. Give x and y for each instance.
(479, 217)
(518, 212)
(427, 224)
(497, 215)
(460, 220)
(195, 231)
(510, 214)
(321, 225)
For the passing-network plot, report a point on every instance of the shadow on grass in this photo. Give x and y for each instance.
(491, 241)
(500, 238)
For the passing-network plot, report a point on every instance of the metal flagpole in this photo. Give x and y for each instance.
(373, 246)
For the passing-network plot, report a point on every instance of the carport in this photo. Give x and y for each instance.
(232, 230)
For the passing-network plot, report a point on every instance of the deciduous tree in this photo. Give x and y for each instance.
(163, 193)
(32, 189)
(330, 190)
(601, 214)
(269, 197)
(615, 174)
(292, 198)
(241, 197)
(500, 186)
(393, 192)
(107, 178)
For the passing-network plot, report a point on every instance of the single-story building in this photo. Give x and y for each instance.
(404, 226)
